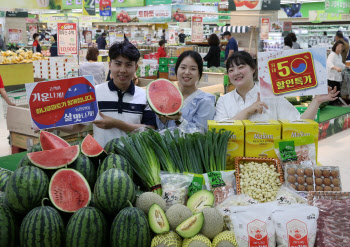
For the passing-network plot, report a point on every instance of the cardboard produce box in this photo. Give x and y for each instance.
(300, 128)
(235, 147)
(260, 137)
(21, 133)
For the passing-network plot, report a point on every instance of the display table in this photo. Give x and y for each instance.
(203, 43)
(16, 74)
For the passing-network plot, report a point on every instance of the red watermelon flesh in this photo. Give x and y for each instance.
(164, 97)
(69, 190)
(90, 147)
(55, 158)
(50, 141)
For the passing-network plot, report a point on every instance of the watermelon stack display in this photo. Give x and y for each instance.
(4, 177)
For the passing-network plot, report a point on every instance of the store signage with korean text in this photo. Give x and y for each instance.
(16, 14)
(287, 26)
(148, 14)
(67, 38)
(201, 10)
(337, 6)
(33, 30)
(238, 5)
(62, 102)
(265, 28)
(293, 72)
(13, 36)
(77, 4)
(105, 8)
(157, 2)
(172, 36)
(197, 29)
(89, 7)
(321, 15)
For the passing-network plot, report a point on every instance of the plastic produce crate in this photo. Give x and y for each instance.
(163, 61)
(19, 97)
(173, 60)
(163, 68)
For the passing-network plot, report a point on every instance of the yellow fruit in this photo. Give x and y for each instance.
(198, 240)
(170, 239)
(225, 239)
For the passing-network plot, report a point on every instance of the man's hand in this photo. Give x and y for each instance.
(331, 96)
(258, 106)
(105, 123)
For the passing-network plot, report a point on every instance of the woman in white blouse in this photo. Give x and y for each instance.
(335, 66)
(245, 103)
(92, 67)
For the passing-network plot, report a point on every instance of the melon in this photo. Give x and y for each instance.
(90, 147)
(69, 191)
(54, 158)
(50, 141)
(164, 97)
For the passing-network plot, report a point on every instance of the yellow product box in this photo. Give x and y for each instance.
(260, 137)
(235, 146)
(300, 128)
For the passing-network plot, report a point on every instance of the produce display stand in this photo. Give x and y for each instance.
(11, 76)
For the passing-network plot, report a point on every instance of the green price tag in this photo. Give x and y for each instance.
(215, 179)
(195, 186)
(287, 151)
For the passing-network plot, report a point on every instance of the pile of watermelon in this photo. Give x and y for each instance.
(71, 195)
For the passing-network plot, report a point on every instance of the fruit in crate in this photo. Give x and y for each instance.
(20, 56)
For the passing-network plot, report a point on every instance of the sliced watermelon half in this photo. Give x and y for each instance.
(50, 141)
(55, 158)
(69, 190)
(164, 97)
(90, 147)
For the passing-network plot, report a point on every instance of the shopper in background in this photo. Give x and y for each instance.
(163, 36)
(198, 107)
(182, 36)
(335, 66)
(245, 103)
(288, 43)
(345, 51)
(53, 48)
(161, 49)
(294, 40)
(101, 42)
(92, 67)
(2, 44)
(4, 94)
(36, 45)
(213, 56)
(231, 46)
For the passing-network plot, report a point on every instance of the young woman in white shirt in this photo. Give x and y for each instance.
(245, 103)
(335, 66)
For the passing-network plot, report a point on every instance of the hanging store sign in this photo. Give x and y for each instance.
(105, 8)
(157, 2)
(16, 14)
(321, 15)
(149, 14)
(77, 4)
(197, 29)
(62, 102)
(33, 30)
(67, 39)
(337, 6)
(293, 73)
(179, 17)
(89, 7)
(265, 28)
(13, 36)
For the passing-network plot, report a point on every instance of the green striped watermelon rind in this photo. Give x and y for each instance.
(53, 153)
(50, 141)
(48, 230)
(85, 166)
(88, 227)
(7, 229)
(105, 165)
(134, 233)
(109, 148)
(52, 180)
(151, 104)
(4, 177)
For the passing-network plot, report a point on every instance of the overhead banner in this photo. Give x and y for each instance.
(238, 5)
(77, 4)
(293, 73)
(105, 8)
(62, 102)
(31, 4)
(179, 17)
(337, 6)
(146, 14)
(321, 15)
(67, 39)
(157, 2)
(265, 28)
(197, 29)
(89, 7)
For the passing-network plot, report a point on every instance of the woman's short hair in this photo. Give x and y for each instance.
(92, 54)
(288, 41)
(240, 57)
(213, 40)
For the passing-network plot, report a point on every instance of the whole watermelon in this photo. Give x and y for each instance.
(84, 165)
(4, 177)
(24, 162)
(115, 161)
(113, 189)
(7, 226)
(130, 228)
(26, 188)
(42, 226)
(109, 148)
(35, 148)
(87, 227)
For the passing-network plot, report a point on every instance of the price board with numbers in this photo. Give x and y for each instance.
(293, 72)
(67, 41)
(62, 102)
(197, 29)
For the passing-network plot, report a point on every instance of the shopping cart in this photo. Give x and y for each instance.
(19, 97)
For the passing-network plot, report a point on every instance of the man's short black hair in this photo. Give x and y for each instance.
(104, 34)
(35, 35)
(161, 42)
(227, 33)
(124, 49)
(339, 35)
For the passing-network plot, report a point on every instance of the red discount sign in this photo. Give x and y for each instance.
(67, 38)
(292, 73)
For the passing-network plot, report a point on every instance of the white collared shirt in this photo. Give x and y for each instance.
(334, 60)
(232, 103)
